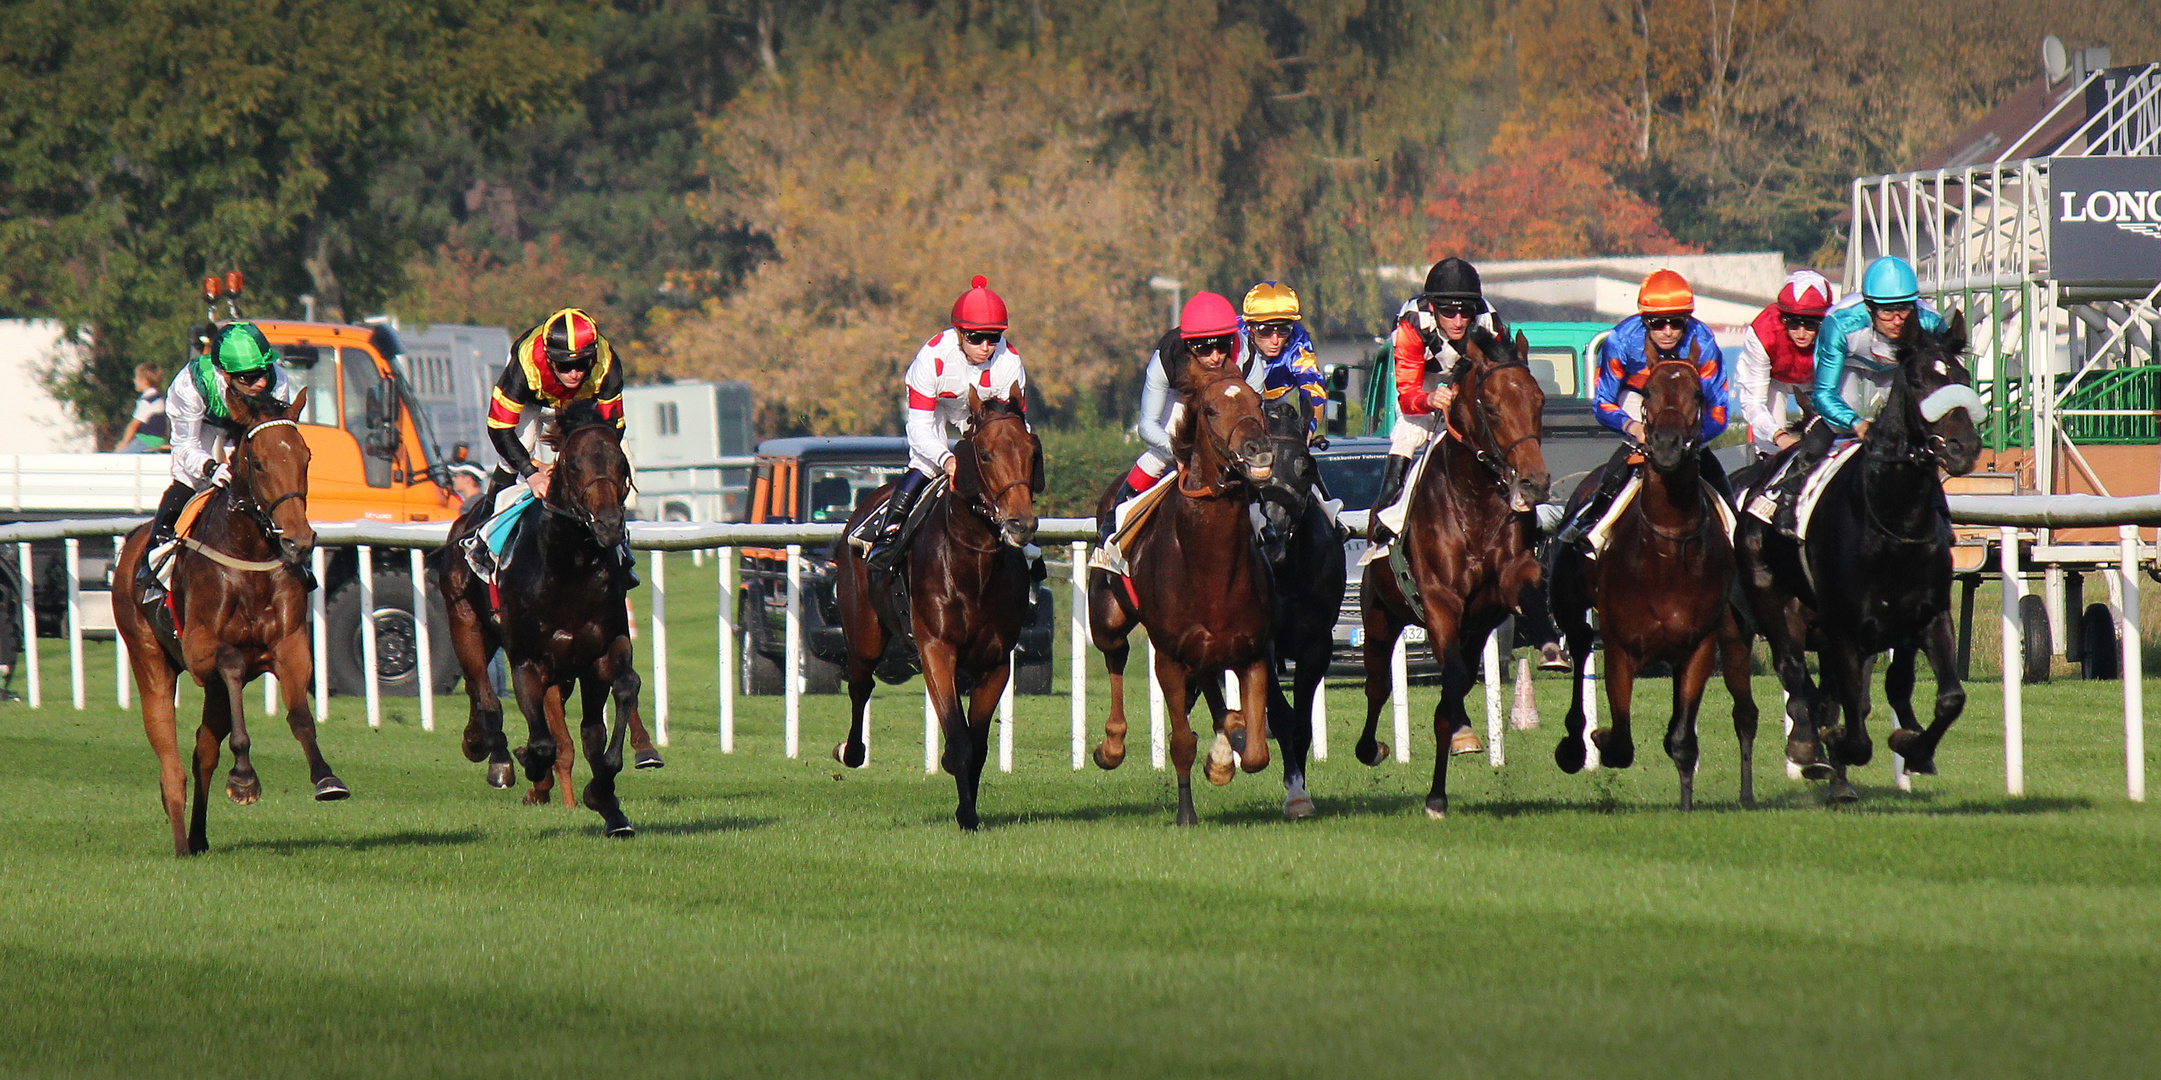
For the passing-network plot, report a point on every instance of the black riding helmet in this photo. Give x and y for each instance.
(1454, 279)
(572, 341)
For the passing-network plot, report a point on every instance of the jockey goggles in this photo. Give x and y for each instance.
(1801, 322)
(982, 337)
(565, 360)
(1272, 329)
(1893, 307)
(1203, 346)
(1665, 322)
(1458, 309)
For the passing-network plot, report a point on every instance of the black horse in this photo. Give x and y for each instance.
(1875, 571)
(557, 613)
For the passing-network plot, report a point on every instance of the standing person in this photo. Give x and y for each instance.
(1207, 334)
(468, 482)
(240, 362)
(1664, 328)
(1778, 362)
(1856, 358)
(1428, 343)
(971, 354)
(148, 430)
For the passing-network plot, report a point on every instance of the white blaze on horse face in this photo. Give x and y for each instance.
(1947, 398)
(1232, 391)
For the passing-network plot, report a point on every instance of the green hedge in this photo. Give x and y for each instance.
(1079, 463)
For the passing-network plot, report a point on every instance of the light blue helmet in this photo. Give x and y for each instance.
(1890, 280)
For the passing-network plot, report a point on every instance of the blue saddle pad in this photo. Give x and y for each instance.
(496, 532)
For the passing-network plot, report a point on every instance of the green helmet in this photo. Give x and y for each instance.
(241, 348)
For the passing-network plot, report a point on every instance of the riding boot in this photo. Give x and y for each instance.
(1815, 445)
(162, 538)
(1579, 527)
(1105, 527)
(885, 551)
(1392, 474)
(1538, 625)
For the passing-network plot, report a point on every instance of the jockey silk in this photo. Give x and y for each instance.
(1624, 367)
(528, 393)
(938, 383)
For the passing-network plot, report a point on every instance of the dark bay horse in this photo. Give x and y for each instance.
(1663, 590)
(1875, 572)
(561, 619)
(968, 592)
(239, 591)
(1198, 584)
(1467, 542)
(1305, 561)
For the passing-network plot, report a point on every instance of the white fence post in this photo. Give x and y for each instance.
(1399, 678)
(30, 625)
(2132, 671)
(1320, 719)
(2014, 717)
(368, 672)
(423, 645)
(317, 560)
(659, 589)
(930, 733)
(1078, 675)
(1496, 755)
(123, 675)
(792, 671)
(726, 604)
(1156, 738)
(1590, 708)
(74, 552)
(1005, 713)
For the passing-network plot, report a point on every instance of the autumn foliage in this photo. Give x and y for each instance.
(1542, 199)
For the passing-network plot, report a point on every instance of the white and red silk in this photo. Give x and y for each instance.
(938, 383)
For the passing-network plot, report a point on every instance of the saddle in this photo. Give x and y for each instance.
(1601, 534)
(889, 598)
(1763, 502)
(1126, 521)
(487, 548)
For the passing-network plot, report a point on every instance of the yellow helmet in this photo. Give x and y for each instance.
(1271, 302)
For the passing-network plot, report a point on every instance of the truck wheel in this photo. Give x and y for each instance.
(397, 650)
(2036, 646)
(2103, 649)
(761, 673)
(1031, 677)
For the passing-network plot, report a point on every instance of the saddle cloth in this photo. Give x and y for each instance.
(161, 557)
(1601, 534)
(493, 535)
(1126, 521)
(1763, 507)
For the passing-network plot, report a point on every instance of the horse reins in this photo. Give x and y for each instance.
(242, 498)
(1488, 449)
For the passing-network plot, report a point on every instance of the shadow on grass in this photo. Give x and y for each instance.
(407, 838)
(700, 827)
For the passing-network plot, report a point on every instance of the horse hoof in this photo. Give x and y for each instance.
(1857, 752)
(968, 822)
(1222, 763)
(1570, 755)
(1921, 767)
(501, 774)
(1842, 792)
(246, 792)
(1234, 726)
(535, 797)
(1612, 752)
(1107, 759)
(1817, 771)
(1297, 805)
(622, 830)
(1464, 741)
(475, 746)
(1378, 754)
(1551, 658)
(331, 789)
(649, 758)
(1437, 809)
(1802, 752)
(841, 754)
(1186, 816)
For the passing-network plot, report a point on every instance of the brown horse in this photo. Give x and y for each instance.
(1467, 543)
(1199, 584)
(1663, 590)
(240, 594)
(561, 618)
(968, 587)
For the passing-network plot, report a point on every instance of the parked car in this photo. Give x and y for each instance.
(824, 480)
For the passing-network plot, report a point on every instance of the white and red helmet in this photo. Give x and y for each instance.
(1806, 293)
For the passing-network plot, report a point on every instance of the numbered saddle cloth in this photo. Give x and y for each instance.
(1812, 490)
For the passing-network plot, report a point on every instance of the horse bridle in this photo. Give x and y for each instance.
(242, 496)
(1695, 438)
(1222, 446)
(985, 502)
(1487, 448)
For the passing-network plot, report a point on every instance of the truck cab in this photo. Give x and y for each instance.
(823, 481)
(374, 457)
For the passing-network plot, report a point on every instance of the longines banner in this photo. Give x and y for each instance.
(2104, 222)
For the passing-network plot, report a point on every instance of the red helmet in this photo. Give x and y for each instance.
(1207, 315)
(979, 308)
(1806, 293)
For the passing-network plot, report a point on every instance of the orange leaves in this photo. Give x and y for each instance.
(1543, 197)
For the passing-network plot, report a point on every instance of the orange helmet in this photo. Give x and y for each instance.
(1665, 293)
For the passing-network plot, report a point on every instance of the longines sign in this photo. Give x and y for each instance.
(2104, 222)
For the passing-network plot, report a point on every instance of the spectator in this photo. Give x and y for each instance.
(147, 431)
(467, 481)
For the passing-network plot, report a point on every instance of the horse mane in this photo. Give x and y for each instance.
(259, 407)
(573, 418)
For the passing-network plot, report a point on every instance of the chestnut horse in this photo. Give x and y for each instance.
(1199, 584)
(240, 593)
(968, 589)
(1663, 590)
(1877, 571)
(561, 618)
(1467, 543)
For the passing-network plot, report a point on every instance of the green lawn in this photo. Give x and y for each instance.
(780, 917)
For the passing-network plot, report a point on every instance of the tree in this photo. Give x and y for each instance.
(145, 142)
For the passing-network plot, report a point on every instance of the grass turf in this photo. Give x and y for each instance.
(780, 917)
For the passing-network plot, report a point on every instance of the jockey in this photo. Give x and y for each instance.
(1428, 343)
(239, 362)
(1207, 332)
(1856, 356)
(1280, 352)
(1778, 357)
(971, 354)
(563, 359)
(1664, 328)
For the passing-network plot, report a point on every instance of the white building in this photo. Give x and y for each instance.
(32, 421)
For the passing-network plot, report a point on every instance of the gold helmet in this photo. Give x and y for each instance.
(1271, 302)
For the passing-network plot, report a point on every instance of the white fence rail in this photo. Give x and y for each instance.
(2008, 513)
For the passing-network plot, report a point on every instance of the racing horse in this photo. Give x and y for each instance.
(1663, 590)
(556, 610)
(239, 609)
(1467, 544)
(1305, 560)
(1875, 570)
(968, 587)
(1198, 583)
